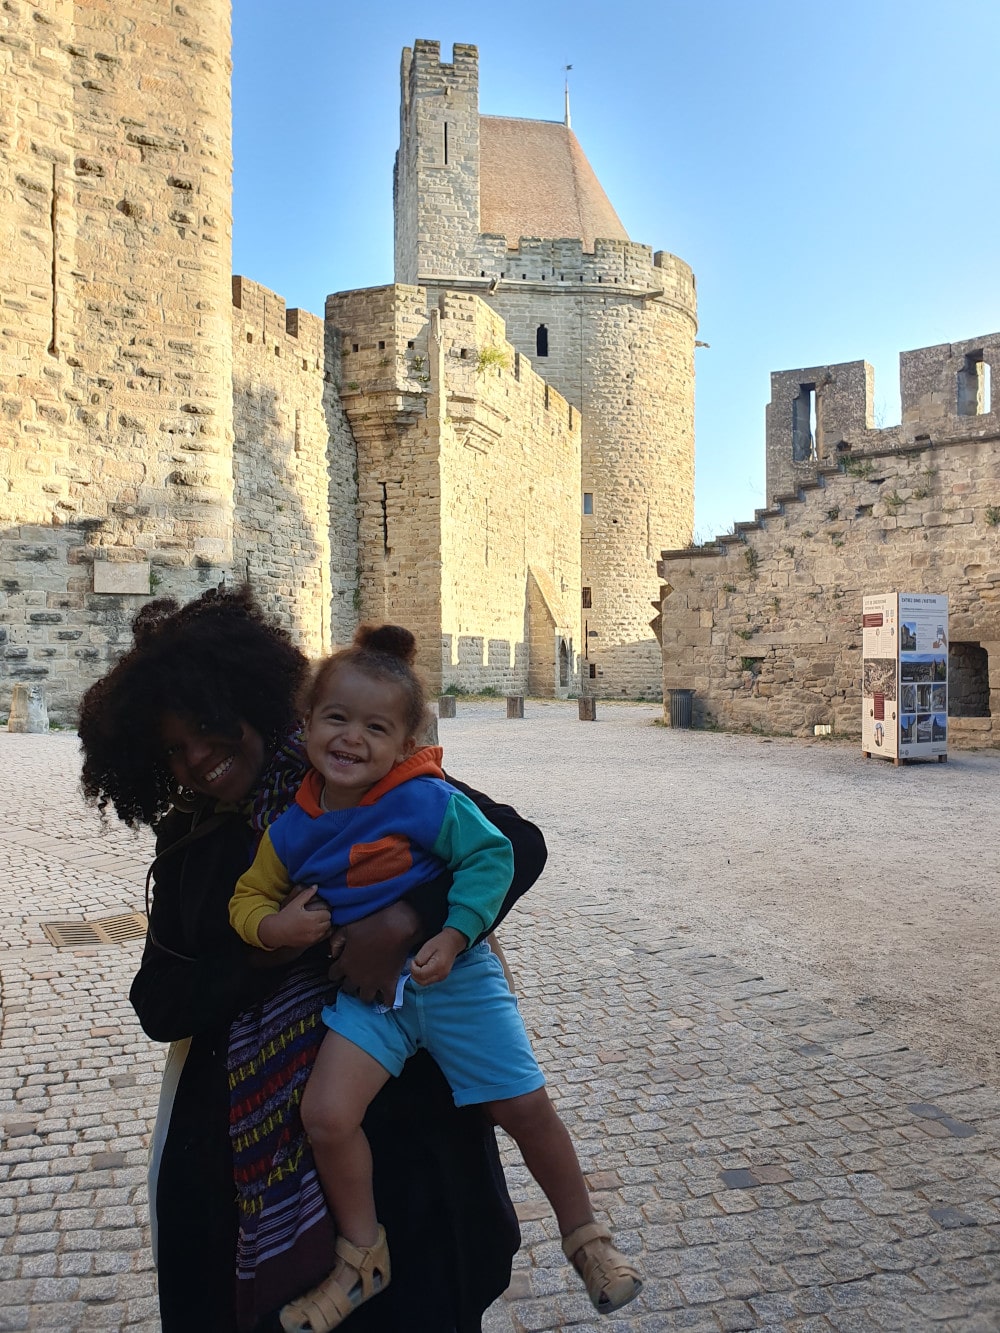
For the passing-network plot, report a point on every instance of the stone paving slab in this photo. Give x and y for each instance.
(771, 1165)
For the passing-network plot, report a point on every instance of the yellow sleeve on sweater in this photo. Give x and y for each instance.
(259, 893)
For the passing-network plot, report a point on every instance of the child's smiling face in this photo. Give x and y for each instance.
(355, 734)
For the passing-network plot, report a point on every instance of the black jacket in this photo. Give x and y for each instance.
(438, 1181)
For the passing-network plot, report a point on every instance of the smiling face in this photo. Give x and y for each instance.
(209, 762)
(355, 734)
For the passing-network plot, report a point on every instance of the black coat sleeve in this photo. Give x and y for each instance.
(430, 900)
(196, 974)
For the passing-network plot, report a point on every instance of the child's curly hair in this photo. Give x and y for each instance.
(386, 652)
(218, 660)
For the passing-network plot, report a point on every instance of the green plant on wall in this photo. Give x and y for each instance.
(490, 358)
(893, 502)
(992, 515)
(861, 468)
(752, 557)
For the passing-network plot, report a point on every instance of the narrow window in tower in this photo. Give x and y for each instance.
(53, 223)
(446, 143)
(546, 397)
(517, 365)
(571, 416)
(541, 341)
(593, 670)
(586, 597)
(588, 502)
(385, 519)
(804, 424)
(974, 386)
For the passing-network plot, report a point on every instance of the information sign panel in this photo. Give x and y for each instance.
(905, 675)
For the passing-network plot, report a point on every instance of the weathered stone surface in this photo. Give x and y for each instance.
(28, 712)
(911, 508)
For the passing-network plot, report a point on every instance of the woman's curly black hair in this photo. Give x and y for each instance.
(218, 660)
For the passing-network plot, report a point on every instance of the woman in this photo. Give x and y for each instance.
(194, 732)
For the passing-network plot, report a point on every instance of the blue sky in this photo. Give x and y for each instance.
(830, 171)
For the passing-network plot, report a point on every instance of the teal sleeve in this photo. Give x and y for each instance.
(482, 864)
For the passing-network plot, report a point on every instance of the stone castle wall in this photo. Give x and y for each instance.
(765, 623)
(294, 469)
(115, 389)
(468, 466)
(613, 330)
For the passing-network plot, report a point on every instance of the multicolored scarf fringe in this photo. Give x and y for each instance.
(286, 1235)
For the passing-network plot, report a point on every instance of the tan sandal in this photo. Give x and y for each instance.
(360, 1274)
(610, 1279)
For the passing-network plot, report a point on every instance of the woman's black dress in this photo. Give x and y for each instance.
(439, 1186)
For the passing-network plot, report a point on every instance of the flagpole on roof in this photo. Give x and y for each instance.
(568, 123)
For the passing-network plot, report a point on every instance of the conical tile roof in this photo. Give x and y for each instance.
(535, 180)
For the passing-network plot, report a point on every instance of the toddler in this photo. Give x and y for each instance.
(374, 818)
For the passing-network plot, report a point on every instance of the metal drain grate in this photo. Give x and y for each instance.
(80, 934)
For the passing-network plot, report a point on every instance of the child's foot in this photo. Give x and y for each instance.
(360, 1274)
(610, 1279)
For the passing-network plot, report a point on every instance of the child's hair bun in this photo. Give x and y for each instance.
(393, 640)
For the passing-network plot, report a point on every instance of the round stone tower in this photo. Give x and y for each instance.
(116, 471)
(512, 210)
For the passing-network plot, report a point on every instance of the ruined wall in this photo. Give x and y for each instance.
(115, 360)
(819, 413)
(468, 479)
(613, 330)
(765, 624)
(294, 468)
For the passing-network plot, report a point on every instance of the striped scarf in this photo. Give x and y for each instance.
(279, 782)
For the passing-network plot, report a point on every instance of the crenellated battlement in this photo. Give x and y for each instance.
(566, 267)
(264, 320)
(423, 70)
(817, 414)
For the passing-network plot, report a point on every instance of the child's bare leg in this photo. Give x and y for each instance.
(341, 1086)
(548, 1153)
(611, 1280)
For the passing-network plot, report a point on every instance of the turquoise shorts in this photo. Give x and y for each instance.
(469, 1023)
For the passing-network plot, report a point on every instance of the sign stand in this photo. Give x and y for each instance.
(905, 676)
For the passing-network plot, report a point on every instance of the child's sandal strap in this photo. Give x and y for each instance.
(589, 1231)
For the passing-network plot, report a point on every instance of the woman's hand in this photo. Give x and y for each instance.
(369, 955)
(299, 925)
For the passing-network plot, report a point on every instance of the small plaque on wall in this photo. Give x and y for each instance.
(122, 577)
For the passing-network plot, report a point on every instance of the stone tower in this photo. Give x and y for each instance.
(512, 211)
(116, 467)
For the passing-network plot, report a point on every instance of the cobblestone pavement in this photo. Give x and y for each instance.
(771, 1165)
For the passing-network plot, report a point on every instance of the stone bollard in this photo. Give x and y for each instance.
(587, 704)
(515, 705)
(429, 733)
(27, 710)
(446, 705)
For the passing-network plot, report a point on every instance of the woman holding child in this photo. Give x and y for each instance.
(196, 731)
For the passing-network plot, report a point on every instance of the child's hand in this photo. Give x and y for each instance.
(434, 960)
(300, 923)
